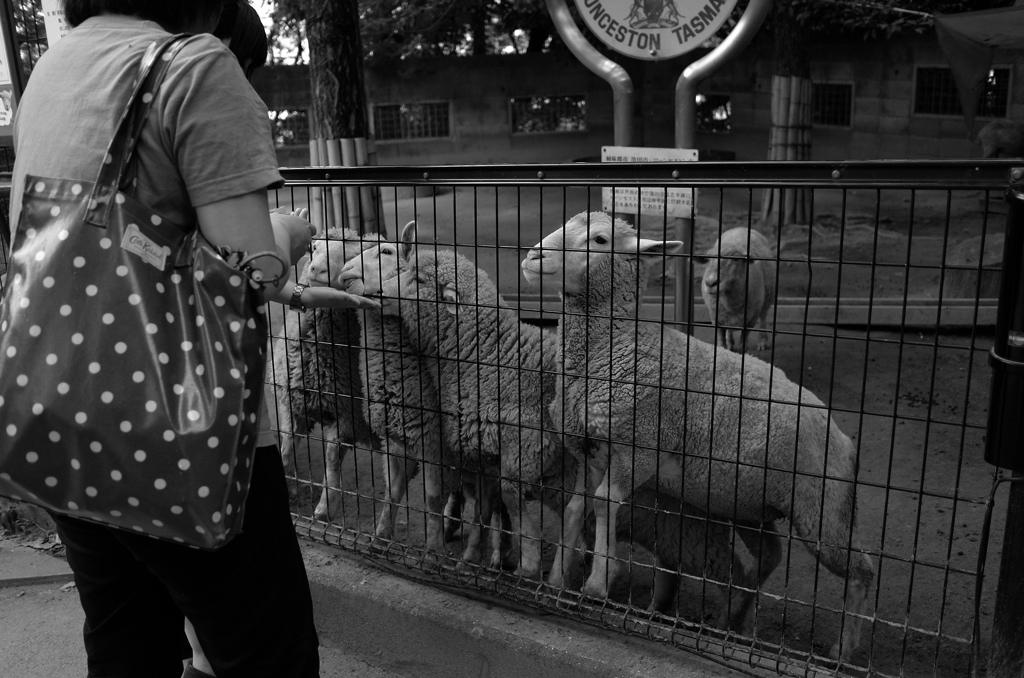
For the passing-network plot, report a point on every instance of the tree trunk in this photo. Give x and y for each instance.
(336, 69)
(790, 136)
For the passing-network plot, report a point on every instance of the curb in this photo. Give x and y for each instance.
(427, 631)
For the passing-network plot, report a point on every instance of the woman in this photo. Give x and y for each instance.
(205, 157)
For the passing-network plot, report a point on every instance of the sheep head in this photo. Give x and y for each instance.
(592, 254)
(330, 254)
(367, 271)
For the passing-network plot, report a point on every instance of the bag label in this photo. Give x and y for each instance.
(135, 242)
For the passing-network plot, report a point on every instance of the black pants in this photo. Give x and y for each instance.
(249, 600)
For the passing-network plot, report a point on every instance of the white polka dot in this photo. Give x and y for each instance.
(200, 370)
(12, 351)
(218, 300)
(22, 379)
(116, 475)
(119, 198)
(37, 408)
(48, 281)
(138, 377)
(250, 323)
(169, 435)
(228, 509)
(140, 456)
(233, 420)
(199, 275)
(120, 347)
(177, 510)
(213, 441)
(175, 278)
(134, 299)
(24, 302)
(107, 159)
(184, 464)
(156, 220)
(63, 235)
(163, 358)
(170, 318)
(75, 464)
(73, 506)
(12, 430)
(40, 255)
(78, 262)
(77, 338)
(65, 310)
(63, 388)
(218, 392)
(151, 406)
(200, 529)
(132, 501)
(54, 437)
(55, 210)
(125, 426)
(148, 96)
(235, 280)
(107, 318)
(219, 346)
(91, 290)
(158, 523)
(160, 484)
(81, 418)
(204, 492)
(105, 243)
(96, 446)
(121, 271)
(193, 415)
(216, 516)
(235, 373)
(107, 397)
(51, 359)
(40, 187)
(94, 368)
(200, 320)
(224, 468)
(50, 481)
(76, 189)
(91, 491)
(234, 326)
(115, 513)
(31, 457)
(35, 331)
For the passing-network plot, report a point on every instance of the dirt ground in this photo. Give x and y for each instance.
(913, 399)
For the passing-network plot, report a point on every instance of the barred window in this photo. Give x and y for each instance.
(566, 113)
(290, 127)
(935, 93)
(427, 120)
(832, 104)
(714, 113)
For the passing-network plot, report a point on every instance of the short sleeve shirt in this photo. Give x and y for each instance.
(207, 137)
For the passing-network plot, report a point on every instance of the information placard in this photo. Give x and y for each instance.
(676, 202)
(53, 19)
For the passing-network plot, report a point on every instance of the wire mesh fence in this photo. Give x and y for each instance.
(735, 533)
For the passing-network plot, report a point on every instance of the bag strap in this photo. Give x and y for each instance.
(152, 69)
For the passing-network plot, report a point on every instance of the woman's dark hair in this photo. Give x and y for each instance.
(175, 16)
(243, 25)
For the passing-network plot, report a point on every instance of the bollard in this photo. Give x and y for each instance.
(1004, 442)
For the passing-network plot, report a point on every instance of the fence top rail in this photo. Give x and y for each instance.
(908, 174)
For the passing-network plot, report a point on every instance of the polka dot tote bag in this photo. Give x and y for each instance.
(131, 358)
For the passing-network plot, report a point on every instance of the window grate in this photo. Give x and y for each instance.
(833, 104)
(714, 113)
(290, 127)
(935, 93)
(536, 114)
(411, 121)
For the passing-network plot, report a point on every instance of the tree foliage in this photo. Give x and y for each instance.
(878, 19)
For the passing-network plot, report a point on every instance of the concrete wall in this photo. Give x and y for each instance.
(479, 89)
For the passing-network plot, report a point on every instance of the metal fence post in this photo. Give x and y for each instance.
(1004, 441)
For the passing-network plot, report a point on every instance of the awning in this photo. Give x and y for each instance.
(968, 40)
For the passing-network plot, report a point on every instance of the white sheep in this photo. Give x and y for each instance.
(497, 374)
(315, 369)
(402, 403)
(729, 433)
(738, 286)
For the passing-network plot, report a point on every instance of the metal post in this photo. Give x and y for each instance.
(686, 133)
(614, 74)
(1004, 442)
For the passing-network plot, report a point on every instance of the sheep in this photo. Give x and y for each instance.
(497, 374)
(1002, 139)
(318, 361)
(402, 403)
(665, 405)
(738, 286)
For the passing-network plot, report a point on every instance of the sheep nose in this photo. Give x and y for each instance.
(347, 274)
(318, 274)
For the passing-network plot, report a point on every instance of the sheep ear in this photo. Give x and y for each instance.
(700, 259)
(408, 239)
(451, 298)
(656, 248)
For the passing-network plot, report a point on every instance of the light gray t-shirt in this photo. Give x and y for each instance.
(207, 137)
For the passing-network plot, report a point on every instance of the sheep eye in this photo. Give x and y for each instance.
(601, 240)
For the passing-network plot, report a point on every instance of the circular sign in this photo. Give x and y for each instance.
(654, 29)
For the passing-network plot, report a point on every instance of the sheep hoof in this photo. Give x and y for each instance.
(595, 589)
(526, 574)
(451, 527)
(837, 654)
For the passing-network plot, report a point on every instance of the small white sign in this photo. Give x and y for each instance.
(53, 19)
(654, 29)
(675, 202)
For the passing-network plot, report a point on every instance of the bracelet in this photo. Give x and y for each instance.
(296, 301)
(254, 274)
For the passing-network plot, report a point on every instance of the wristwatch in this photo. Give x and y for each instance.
(296, 302)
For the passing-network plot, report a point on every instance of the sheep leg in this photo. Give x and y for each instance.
(607, 498)
(433, 494)
(766, 548)
(452, 514)
(396, 479)
(331, 497)
(525, 517)
(291, 472)
(471, 512)
(572, 526)
(491, 514)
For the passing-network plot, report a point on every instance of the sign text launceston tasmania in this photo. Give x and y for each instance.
(654, 29)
